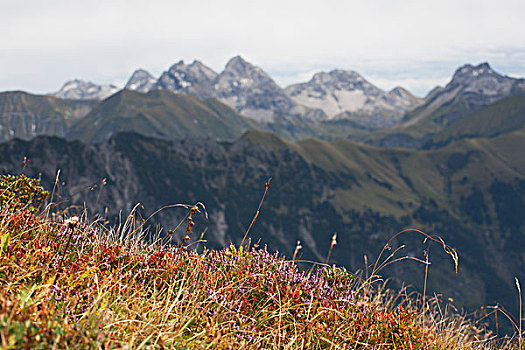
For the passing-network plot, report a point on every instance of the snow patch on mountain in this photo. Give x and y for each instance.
(334, 103)
(85, 90)
(194, 79)
(340, 94)
(141, 81)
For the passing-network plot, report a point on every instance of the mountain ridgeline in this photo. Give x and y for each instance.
(471, 89)
(254, 94)
(160, 114)
(335, 105)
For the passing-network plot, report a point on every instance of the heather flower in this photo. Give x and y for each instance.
(72, 222)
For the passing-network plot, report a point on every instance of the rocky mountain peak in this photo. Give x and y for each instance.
(237, 67)
(480, 85)
(346, 80)
(237, 63)
(140, 81)
(400, 91)
(200, 69)
(196, 71)
(468, 73)
(337, 76)
(195, 79)
(85, 90)
(251, 92)
(471, 88)
(342, 93)
(406, 96)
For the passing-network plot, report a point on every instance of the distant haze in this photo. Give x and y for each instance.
(415, 43)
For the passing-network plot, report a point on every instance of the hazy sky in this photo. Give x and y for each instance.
(414, 43)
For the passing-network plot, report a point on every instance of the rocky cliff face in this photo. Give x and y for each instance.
(194, 79)
(346, 94)
(252, 92)
(471, 89)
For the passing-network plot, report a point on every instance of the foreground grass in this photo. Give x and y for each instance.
(77, 285)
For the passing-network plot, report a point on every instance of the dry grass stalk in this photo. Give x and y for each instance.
(266, 186)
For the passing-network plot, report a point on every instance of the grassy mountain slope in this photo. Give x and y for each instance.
(501, 117)
(426, 123)
(25, 116)
(160, 114)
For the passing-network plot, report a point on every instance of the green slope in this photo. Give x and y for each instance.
(504, 116)
(25, 116)
(160, 114)
(419, 126)
(435, 130)
(471, 192)
(392, 180)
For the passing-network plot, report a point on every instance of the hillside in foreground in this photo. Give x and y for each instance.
(470, 192)
(72, 283)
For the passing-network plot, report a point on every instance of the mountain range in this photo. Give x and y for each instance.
(254, 94)
(334, 105)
